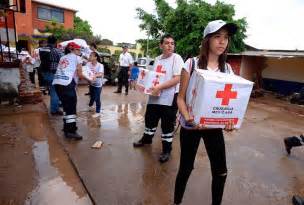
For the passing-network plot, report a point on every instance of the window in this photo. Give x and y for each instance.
(48, 13)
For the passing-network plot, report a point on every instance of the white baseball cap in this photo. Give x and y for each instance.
(214, 26)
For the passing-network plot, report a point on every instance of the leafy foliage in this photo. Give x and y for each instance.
(187, 22)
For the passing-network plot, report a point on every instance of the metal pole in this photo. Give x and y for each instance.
(15, 34)
(7, 37)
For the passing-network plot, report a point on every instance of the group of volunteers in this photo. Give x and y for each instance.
(166, 99)
(59, 71)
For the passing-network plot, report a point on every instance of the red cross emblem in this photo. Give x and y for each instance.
(159, 69)
(155, 82)
(227, 94)
(142, 74)
(64, 63)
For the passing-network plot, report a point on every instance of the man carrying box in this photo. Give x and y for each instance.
(162, 101)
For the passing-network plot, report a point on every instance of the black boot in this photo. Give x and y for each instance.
(165, 155)
(142, 142)
(74, 135)
(297, 200)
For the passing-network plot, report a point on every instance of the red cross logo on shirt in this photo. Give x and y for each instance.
(142, 74)
(64, 63)
(160, 69)
(227, 94)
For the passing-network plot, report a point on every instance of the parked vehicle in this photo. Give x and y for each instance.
(110, 68)
(145, 62)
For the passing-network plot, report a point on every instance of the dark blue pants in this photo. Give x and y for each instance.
(68, 97)
(95, 97)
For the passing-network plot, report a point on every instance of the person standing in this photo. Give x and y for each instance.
(96, 84)
(162, 106)
(125, 64)
(49, 57)
(65, 81)
(134, 76)
(212, 56)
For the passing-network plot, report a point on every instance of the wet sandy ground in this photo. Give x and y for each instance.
(260, 172)
(34, 169)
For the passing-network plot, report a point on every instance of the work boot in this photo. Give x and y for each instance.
(164, 157)
(297, 200)
(74, 135)
(142, 142)
(287, 145)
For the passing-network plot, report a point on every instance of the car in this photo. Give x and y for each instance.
(145, 62)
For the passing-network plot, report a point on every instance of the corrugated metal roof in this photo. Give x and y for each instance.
(272, 54)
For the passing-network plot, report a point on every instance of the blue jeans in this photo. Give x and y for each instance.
(95, 97)
(54, 100)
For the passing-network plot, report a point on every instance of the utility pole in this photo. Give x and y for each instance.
(147, 53)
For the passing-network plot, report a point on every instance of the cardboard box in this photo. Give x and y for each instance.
(147, 79)
(87, 73)
(214, 98)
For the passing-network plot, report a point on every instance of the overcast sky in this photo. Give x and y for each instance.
(272, 24)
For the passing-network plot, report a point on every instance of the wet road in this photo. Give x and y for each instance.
(34, 169)
(259, 170)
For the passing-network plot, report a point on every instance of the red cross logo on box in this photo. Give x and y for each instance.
(155, 82)
(142, 74)
(160, 69)
(227, 94)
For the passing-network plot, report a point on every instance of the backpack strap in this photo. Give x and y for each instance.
(192, 66)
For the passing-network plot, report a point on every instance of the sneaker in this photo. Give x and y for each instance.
(87, 94)
(287, 146)
(75, 136)
(117, 91)
(96, 115)
(164, 157)
(91, 108)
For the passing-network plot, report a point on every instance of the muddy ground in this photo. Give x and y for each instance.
(32, 145)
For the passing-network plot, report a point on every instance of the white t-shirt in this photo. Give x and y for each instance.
(125, 59)
(37, 58)
(187, 67)
(170, 66)
(66, 69)
(98, 68)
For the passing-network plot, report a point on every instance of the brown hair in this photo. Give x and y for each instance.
(203, 55)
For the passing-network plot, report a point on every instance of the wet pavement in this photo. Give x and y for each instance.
(260, 172)
(34, 169)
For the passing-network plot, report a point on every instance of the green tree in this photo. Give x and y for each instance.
(106, 42)
(187, 22)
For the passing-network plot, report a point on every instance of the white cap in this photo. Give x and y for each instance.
(214, 26)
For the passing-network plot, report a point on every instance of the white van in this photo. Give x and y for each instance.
(145, 62)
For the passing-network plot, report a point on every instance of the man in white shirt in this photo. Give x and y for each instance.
(125, 64)
(162, 105)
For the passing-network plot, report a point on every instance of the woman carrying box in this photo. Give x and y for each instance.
(212, 57)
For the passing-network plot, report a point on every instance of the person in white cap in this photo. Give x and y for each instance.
(212, 56)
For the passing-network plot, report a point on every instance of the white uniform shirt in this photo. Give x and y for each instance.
(170, 66)
(66, 69)
(37, 58)
(187, 67)
(125, 59)
(98, 68)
